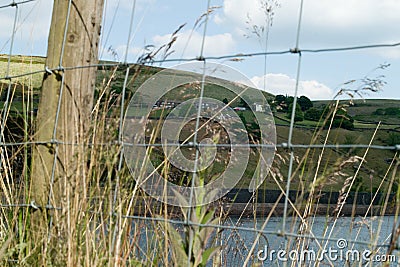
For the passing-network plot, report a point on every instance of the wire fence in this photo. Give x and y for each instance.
(288, 145)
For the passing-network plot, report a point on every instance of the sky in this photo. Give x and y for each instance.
(229, 31)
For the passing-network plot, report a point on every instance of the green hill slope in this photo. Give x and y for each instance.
(328, 168)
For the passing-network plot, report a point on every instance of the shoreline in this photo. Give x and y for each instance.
(264, 209)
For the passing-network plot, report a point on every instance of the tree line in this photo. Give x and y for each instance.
(305, 110)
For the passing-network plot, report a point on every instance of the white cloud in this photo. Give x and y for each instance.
(324, 22)
(33, 24)
(217, 19)
(278, 83)
(118, 53)
(389, 53)
(315, 90)
(189, 43)
(111, 5)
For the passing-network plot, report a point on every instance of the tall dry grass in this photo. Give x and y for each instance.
(106, 220)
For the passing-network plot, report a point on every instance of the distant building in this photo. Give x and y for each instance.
(259, 107)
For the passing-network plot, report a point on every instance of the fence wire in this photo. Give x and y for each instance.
(288, 145)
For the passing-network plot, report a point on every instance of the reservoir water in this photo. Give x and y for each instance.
(272, 249)
(328, 242)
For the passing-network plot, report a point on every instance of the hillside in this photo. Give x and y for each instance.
(335, 165)
(365, 111)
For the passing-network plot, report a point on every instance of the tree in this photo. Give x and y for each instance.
(344, 123)
(225, 101)
(313, 114)
(392, 111)
(280, 102)
(299, 115)
(343, 120)
(280, 99)
(243, 118)
(393, 139)
(289, 100)
(64, 109)
(243, 103)
(305, 103)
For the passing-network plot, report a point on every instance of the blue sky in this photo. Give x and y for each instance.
(325, 24)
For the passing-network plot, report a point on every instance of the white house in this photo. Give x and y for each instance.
(259, 107)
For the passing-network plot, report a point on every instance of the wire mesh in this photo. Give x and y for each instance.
(120, 144)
